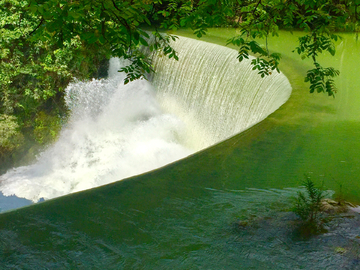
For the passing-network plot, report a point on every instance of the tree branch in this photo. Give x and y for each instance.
(37, 27)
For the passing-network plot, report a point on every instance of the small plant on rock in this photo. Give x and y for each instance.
(308, 206)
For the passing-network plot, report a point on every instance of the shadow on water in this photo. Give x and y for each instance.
(11, 202)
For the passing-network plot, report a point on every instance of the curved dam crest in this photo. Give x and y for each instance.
(118, 131)
(215, 94)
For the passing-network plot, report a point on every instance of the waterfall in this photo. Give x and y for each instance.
(117, 131)
(114, 131)
(215, 94)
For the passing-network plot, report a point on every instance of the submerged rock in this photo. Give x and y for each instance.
(331, 206)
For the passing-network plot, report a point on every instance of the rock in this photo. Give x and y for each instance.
(350, 204)
(331, 206)
(242, 223)
(340, 250)
(331, 202)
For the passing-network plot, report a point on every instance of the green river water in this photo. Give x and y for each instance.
(185, 215)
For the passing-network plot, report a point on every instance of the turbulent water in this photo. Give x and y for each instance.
(117, 131)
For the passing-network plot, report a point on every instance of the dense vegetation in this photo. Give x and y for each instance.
(44, 44)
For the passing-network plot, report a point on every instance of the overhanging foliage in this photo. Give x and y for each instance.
(45, 43)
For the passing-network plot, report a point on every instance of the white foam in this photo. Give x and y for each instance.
(114, 132)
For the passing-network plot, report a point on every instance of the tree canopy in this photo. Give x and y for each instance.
(46, 43)
(49, 31)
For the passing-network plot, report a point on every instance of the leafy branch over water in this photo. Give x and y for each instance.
(44, 44)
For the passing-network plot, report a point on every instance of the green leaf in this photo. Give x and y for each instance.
(143, 42)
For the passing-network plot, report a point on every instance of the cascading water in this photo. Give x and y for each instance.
(214, 93)
(117, 131)
(114, 131)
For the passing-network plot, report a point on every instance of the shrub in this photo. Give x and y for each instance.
(10, 137)
(308, 206)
